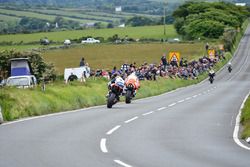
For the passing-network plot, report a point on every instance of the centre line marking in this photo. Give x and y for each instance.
(113, 130)
(130, 120)
(170, 105)
(159, 109)
(180, 101)
(188, 98)
(122, 163)
(151, 112)
(195, 96)
(103, 145)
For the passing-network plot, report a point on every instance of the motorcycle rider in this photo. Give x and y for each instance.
(229, 66)
(133, 79)
(116, 79)
(211, 74)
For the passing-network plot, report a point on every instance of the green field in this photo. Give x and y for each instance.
(9, 18)
(155, 32)
(37, 15)
(107, 56)
(69, 14)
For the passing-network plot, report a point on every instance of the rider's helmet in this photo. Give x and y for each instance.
(211, 71)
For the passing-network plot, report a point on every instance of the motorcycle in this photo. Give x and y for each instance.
(130, 92)
(211, 79)
(229, 69)
(114, 94)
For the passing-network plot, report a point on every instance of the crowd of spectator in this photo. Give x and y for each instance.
(173, 69)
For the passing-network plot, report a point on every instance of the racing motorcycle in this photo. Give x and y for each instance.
(115, 91)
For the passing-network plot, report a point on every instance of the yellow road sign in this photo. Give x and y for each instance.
(174, 56)
(211, 53)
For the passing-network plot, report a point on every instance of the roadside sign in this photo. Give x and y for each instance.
(174, 56)
(211, 53)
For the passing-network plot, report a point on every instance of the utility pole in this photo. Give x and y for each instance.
(164, 18)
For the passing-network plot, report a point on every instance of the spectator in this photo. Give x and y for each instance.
(82, 62)
(207, 46)
(164, 61)
(124, 67)
(72, 77)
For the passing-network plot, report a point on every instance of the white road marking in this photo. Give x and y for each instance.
(237, 126)
(113, 130)
(195, 96)
(188, 98)
(159, 109)
(199, 94)
(248, 140)
(215, 87)
(170, 105)
(103, 145)
(180, 101)
(122, 163)
(130, 120)
(148, 113)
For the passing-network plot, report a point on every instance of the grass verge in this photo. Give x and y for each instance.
(245, 120)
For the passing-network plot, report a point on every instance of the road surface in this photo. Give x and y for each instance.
(190, 127)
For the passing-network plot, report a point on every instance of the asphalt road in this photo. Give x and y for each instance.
(191, 127)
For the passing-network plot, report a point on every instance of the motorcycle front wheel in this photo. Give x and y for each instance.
(128, 96)
(111, 100)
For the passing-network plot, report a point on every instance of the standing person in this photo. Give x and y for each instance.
(164, 61)
(82, 62)
(207, 46)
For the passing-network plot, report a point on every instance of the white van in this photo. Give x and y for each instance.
(67, 42)
(24, 81)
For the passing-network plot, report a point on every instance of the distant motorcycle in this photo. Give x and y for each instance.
(211, 75)
(229, 69)
(211, 80)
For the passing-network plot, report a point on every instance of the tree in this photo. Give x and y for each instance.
(139, 21)
(110, 25)
(206, 19)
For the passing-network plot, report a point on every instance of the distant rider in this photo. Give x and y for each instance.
(229, 66)
(211, 74)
